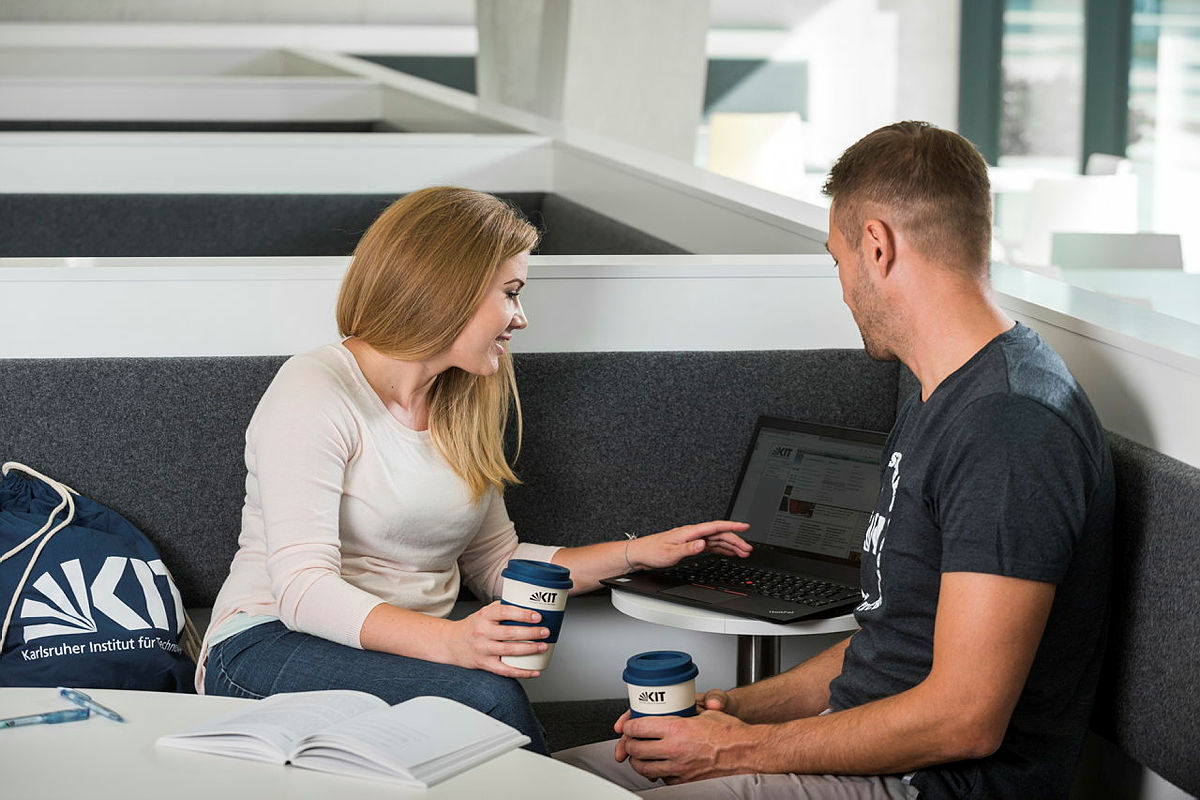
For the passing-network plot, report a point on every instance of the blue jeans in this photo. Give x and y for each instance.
(269, 659)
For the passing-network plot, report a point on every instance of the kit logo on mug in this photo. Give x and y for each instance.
(549, 598)
(661, 682)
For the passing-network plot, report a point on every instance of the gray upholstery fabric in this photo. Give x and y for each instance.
(571, 723)
(177, 225)
(646, 441)
(1149, 698)
(161, 440)
(571, 229)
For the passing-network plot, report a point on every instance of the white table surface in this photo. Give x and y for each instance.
(98, 758)
(677, 615)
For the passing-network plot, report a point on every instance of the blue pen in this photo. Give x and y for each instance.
(85, 701)
(48, 718)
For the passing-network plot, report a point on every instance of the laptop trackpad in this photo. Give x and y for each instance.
(713, 596)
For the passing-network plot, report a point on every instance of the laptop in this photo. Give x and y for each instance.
(808, 491)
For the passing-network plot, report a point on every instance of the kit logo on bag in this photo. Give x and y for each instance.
(75, 614)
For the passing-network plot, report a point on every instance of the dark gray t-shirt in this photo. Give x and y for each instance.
(1003, 470)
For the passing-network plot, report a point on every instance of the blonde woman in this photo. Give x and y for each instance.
(375, 478)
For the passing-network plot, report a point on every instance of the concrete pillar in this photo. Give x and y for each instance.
(632, 70)
(927, 59)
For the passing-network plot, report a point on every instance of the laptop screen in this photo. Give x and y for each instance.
(809, 489)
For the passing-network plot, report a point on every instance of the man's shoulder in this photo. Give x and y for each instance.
(1021, 380)
(1036, 371)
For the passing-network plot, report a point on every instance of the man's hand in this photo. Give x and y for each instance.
(685, 749)
(718, 700)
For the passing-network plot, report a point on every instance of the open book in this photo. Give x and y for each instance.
(419, 742)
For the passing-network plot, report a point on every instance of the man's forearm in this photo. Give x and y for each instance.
(802, 691)
(894, 735)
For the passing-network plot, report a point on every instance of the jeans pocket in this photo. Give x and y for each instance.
(223, 657)
(219, 681)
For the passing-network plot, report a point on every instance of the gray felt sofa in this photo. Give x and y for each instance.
(614, 441)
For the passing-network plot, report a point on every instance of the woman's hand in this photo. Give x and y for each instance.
(478, 641)
(669, 547)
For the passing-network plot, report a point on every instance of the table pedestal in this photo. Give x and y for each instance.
(757, 658)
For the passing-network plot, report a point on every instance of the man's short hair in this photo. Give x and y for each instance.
(930, 183)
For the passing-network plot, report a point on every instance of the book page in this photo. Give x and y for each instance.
(268, 729)
(427, 738)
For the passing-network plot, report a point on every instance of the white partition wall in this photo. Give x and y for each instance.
(695, 210)
(53, 62)
(73, 85)
(276, 163)
(268, 306)
(671, 199)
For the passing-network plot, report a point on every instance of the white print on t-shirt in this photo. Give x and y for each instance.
(873, 541)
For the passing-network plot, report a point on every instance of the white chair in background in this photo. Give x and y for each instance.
(1071, 250)
(1077, 204)
(764, 149)
(1107, 164)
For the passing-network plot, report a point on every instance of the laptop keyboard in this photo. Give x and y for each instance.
(728, 573)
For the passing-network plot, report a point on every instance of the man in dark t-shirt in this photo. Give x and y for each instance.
(985, 562)
(1003, 470)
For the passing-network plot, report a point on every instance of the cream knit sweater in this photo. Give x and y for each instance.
(346, 508)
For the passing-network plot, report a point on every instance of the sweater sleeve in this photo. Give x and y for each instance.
(488, 553)
(298, 447)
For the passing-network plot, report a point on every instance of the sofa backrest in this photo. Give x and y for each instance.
(179, 225)
(641, 442)
(1148, 703)
(613, 441)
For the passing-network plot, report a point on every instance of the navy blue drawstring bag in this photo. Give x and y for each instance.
(86, 599)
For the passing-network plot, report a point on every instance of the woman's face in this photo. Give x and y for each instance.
(481, 344)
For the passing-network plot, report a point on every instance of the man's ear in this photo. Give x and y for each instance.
(879, 246)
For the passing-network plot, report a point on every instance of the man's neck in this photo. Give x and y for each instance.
(948, 328)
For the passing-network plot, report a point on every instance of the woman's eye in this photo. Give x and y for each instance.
(513, 295)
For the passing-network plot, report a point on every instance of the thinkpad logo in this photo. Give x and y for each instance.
(782, 611)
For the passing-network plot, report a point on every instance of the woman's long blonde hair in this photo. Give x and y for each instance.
(417, 277)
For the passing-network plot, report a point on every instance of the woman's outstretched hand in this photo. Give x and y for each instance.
(669, 547)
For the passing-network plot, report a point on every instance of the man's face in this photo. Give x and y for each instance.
(860, 294)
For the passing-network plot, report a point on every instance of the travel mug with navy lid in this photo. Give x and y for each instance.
(661, 682)
(542, 587)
